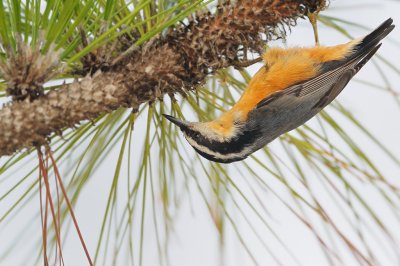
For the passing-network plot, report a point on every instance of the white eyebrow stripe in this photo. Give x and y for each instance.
(243, 154)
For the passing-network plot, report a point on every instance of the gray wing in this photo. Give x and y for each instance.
(293, 106)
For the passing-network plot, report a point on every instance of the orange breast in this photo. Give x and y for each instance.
(284, 67)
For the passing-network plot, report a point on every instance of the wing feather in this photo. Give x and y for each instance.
(287, 109)
(324, 82)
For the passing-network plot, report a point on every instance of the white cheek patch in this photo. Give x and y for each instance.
(214, 135)
(211, 134)
(238, 155)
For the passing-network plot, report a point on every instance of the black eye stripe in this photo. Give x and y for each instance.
(234, 145)
(218, 160)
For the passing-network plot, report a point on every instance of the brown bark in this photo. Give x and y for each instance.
(178, 61)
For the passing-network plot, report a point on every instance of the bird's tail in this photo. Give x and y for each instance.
(373, 39)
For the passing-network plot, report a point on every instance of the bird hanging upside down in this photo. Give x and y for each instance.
(294, 85)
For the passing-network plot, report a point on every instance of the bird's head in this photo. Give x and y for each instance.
(216, 145)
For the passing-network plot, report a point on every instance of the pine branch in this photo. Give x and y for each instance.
(179, 61)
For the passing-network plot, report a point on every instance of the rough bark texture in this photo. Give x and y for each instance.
(178, 61)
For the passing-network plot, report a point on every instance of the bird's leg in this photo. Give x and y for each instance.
(312, 16)
(246, 63)
(313, 19)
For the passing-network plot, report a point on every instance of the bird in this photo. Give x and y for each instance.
(292, 86)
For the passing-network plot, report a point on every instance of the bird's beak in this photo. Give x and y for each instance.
(176, 121)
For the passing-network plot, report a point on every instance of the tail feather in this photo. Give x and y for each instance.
(366, 47)
(370, 41)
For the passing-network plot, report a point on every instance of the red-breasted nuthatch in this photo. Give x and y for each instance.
(293, 86)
